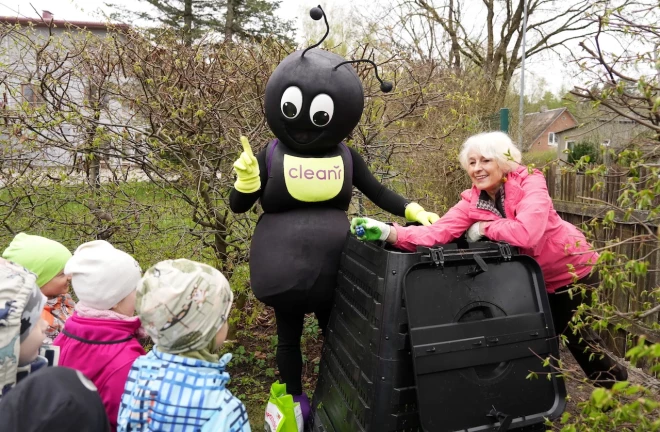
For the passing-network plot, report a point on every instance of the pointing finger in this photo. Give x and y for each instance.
(246, 146)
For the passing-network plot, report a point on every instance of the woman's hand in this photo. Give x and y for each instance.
(370, 229)
(476, 231)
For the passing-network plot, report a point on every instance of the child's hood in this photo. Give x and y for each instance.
(101, 330)
(21, 304)
(76, 405)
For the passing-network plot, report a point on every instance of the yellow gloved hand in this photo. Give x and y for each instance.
(416, 213)
(247, 170)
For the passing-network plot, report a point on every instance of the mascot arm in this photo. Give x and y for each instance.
(380, 195)
(240, 202)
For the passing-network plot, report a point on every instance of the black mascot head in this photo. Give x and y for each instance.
(314, 98)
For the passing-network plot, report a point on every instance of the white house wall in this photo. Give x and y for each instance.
(18, 58)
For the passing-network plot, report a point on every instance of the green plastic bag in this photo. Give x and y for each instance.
(282, 413)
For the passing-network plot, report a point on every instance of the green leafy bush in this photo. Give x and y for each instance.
(582, 149)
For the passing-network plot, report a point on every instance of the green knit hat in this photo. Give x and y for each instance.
(43, 257)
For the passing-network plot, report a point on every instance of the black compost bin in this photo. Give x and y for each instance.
(442, 339)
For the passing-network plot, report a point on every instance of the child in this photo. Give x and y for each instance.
(180, 384)
(21, 326)
(45, 258)
(75, 406)
(101, 338)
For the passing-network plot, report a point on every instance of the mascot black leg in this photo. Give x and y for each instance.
(289, 356)
(323, 316)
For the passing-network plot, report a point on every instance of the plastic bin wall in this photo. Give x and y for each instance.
(366, 379)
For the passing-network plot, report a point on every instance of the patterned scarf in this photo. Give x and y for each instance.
(485, 203)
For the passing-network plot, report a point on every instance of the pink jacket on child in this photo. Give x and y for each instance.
(531, 223)
(104, 350)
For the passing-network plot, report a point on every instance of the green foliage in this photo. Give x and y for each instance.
(539, 159)
(548, 101)
(625, 304)
(625, 407)
(143, 227)
(584, 150)
(619, 304)
(248, 19)
(172, 122)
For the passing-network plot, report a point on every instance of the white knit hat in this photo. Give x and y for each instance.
(102, 276)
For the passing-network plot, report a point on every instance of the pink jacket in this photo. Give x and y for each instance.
(104, 350)
(532, 224)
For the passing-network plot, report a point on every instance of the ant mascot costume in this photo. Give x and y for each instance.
(305, 179)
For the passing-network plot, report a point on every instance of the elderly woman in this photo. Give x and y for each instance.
(510, 203)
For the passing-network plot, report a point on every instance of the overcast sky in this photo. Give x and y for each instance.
(550, 69)
(74, 9)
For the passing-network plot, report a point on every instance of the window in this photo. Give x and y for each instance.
(553, 139)
(31, 95)
(570, 145)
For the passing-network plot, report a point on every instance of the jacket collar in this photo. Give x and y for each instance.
(186, 361)
(94, 330)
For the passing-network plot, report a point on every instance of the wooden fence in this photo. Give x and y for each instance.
(577, 201)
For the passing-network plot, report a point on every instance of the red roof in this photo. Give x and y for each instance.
(536, 123)
(39, 22)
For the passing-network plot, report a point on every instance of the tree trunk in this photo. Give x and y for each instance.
(94, 174)
(503, 90)
(93, 164)
(220, 243)
(455, 52)
(489, 67)
(229, 20)
(211, 217)
(187, 22)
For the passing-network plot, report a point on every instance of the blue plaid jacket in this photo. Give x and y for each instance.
(170, 393)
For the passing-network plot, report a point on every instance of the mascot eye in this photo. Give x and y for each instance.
(321, 110)
(291, 102)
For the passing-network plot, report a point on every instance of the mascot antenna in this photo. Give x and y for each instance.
(385, 86)
(316, 14)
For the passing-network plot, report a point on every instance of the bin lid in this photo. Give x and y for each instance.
(480, 328)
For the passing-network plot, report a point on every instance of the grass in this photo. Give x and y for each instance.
(153, 224)
(539, 158)
(149, 222)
